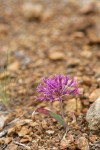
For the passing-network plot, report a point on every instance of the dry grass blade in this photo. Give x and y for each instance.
(23, 145)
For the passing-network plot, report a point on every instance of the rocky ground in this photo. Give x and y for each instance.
(42, 38)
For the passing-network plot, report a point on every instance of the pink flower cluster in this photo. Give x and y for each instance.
(54, 87)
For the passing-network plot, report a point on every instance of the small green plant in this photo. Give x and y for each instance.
(3, 95)
(54, 88)
(4, 98)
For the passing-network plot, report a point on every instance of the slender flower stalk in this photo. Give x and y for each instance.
(62, 113)
(55, 87)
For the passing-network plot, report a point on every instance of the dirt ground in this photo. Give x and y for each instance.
(47, 37)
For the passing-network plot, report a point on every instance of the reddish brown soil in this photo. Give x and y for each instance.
(64, 38)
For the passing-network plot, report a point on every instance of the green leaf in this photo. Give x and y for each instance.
(49, 113)
(57, 117)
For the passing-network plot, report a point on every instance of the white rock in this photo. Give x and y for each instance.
(93, 115)
(50, 132)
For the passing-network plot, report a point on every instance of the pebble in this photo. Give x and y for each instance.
(56, 55)
(94, 95)
(87, 9)
(82, 143)
(81, 23)
(3, 29)
(13, 66)
(47, 15)
(44, 124)
(50, 132)
(87, 81)
(25, 61)
(93, 36)
(73, 62)
(66, 142)
(86, 54)
(74, 105)
(19, 54)
(93, 115)
(32, 11)
(92, 138)
(24, 131)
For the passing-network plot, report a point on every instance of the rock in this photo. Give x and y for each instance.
(92, 138)
(56, 55)
(66, 142)
(82, 143)
(73, 62)
(12, 146)
(5, 140)
(26, 139)
(19, 54)
(32, 11)
(3, 29)
(86, 54)
(93, 115)
(25, 61)
(50, 132)
(81, 23)
(87, 81)
(14, 66)
(11, 131)
(93, 35)
(94, 95)
(74, 105)
(48, 14)
(87, 9)
(44, 124)
(24, 131)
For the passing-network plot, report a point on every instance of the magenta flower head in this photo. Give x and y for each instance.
(55, 87)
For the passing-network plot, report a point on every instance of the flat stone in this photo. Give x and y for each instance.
(32, 11)
(86, 54)
(74, 105)
(56, 55)
(13, 66)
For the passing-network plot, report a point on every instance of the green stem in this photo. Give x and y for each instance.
(62, 112)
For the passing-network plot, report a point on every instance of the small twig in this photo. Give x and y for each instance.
(3, 133)
(23, 145)
(4, 146)
(16, 119)
(63, 138)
